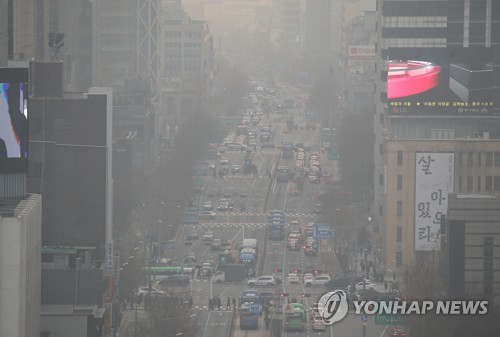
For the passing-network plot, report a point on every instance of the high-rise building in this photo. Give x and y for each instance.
(187, 63)
(20, 252)
(4, 32)
(436, 113)
(70, 160)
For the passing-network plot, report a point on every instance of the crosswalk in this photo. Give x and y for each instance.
(231, 225)
(292, 215)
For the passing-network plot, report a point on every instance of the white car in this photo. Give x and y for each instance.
(208, 236)
(293, 278)
(318, 324)
(263, 281)
(207, 215)
(308, 277)
(366, 284)
(224, 162)
(319, 280)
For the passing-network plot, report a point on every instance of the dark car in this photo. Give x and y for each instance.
(174, 280)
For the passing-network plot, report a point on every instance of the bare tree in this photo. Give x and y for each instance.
(169, 316)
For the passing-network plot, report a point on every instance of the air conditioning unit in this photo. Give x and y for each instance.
(486, 135)
(476, 135)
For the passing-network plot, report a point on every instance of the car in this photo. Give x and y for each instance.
(263, 281)
(314, 178)
(293, 278)
(317, 324)
(365, 284)
(235, 169)
(222, 206)
(319, 280)
(143, 291)
(310, 251)
(190, 257)
(293, 244)
(314, 310)
(216, 244)
(207, 215)
(307, 277)
(397, 332)
(192, 235)
(173, 280)
(208, 236)
(224, 162)
(207, 206)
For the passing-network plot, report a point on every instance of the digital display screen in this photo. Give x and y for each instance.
(425, 81)
(13, 119)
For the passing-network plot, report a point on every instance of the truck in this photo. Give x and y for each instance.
(230, 273)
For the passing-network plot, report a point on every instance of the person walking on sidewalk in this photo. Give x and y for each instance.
(228, 303)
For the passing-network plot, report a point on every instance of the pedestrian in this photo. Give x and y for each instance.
(228, 303)
(210, 304)
(209, 274)
(234, 303)
(267, 322)
(385, 286)
(218, 303)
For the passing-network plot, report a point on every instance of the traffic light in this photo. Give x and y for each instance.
(306, 295)
(277, 270)
(282, 295)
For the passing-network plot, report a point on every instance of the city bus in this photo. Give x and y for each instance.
(295, 317)
(160, 272)
(249, 317)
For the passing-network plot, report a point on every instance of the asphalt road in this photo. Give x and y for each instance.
(252, 193)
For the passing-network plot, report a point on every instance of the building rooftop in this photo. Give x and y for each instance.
(7, 207)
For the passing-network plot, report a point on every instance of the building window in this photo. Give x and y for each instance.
(479, 159)
(400, 158)
(399, 183)
(399, 259)
(478, 184)
(497, 159)
(399, 208)
(470, 159)
(488, 184)
(460, 157)
(496, 183)
(469, 184)
(399, 234)
(459, 183)
(489, 159)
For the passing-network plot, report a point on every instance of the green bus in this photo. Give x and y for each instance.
(160, 272)
(295, 319)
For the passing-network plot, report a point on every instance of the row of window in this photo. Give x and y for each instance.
(188, 35)
(179, 45)
(186, 56)
(415, 21)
